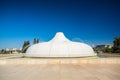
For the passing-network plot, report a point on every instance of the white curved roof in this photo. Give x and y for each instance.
(60, 46)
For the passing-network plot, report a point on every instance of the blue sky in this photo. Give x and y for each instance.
(90, 21)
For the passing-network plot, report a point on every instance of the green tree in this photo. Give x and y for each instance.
(116, 45)
(36, 41)
(25, 46)
(2, 51)
(108, 50)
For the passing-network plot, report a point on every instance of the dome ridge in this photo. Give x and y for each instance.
(59, 36)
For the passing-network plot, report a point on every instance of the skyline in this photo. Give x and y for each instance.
(90, 21)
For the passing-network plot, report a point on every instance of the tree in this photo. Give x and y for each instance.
(108, 50)
(116, 45)
(25, 46)
(2, 51)
(36, 41)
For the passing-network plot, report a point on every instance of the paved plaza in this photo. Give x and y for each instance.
(60, 72)
(15, 68)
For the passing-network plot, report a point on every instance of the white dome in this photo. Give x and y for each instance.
(59, 46)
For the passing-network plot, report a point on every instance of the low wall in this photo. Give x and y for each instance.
(76, 61)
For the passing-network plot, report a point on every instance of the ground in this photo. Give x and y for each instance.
(60, 72)
(12, 68)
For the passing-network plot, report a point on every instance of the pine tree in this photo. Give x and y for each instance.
(25, 46)
(36, 41)
(116, 46)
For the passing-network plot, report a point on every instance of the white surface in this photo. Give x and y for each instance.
(60, 46)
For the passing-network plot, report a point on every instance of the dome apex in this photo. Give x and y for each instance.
(59, 37)
(59, 34)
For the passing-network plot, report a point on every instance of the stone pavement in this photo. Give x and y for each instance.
(60, 72)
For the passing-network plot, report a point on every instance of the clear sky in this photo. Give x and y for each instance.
(90, 21)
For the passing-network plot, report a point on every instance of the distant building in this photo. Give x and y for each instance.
(6, 49)
(10, 51)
